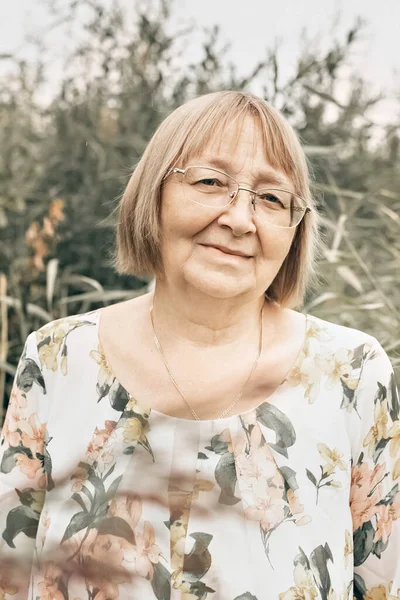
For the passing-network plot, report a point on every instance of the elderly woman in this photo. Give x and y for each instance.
(205, 439)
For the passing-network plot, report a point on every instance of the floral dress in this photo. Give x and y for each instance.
(296, 499)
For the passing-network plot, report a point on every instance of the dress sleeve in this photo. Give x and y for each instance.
(23, 479)
(375, 482)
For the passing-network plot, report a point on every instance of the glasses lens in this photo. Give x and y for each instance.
(207, 186)
(279, 207)
(214, 188)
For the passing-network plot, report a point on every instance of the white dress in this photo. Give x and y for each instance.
(296, 499)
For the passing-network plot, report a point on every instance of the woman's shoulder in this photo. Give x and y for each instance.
(336, 334)
(343, 345)
(336, 353)
(58, 329)
(75, 339)
(67, 337)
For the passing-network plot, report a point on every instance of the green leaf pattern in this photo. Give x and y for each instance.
(257, 517)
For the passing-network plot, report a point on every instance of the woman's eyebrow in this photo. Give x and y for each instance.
(268, 175)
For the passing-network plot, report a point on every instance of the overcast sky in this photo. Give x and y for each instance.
(253, 25)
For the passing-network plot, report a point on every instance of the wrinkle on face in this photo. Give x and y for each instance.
(216, 292)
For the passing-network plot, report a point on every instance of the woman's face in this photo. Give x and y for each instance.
(188, 227)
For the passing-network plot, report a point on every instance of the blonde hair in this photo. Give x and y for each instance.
(186, 132)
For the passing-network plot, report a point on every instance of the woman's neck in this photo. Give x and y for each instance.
(205, 322)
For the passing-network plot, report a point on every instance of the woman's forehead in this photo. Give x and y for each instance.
(225, 136)
(221, 149)
(262, 171)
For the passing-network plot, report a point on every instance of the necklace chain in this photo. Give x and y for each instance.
(236, 400)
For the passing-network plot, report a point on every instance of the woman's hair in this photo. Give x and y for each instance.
(185, 133)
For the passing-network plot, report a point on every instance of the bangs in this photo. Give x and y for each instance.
(212, 122)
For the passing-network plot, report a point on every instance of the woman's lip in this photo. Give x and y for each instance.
(225, 254)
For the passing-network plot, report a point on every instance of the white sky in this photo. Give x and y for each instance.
(251, 26)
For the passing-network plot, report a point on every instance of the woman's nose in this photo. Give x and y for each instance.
(239, 214)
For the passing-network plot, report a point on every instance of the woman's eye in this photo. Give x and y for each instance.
(209, 182)
(270, 198)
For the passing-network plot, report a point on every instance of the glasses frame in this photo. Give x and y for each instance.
(253, 193)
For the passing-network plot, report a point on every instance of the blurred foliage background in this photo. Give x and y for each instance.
(65, 162)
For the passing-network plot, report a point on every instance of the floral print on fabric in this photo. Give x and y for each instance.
(318, 362)
(296, 499)
(188, 570)
(52, 342)
(375, 496)
(333, 459)
(267, 496)
(25, 472)
(110, 529)
(312, 579)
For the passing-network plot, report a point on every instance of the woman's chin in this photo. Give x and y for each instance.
(217, 284)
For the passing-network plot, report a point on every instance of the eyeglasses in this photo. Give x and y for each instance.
(214, 188)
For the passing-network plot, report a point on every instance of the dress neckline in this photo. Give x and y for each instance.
(228, 418)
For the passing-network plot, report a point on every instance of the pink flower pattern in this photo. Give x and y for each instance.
(246, 478)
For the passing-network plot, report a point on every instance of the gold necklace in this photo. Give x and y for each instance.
(229, 408)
